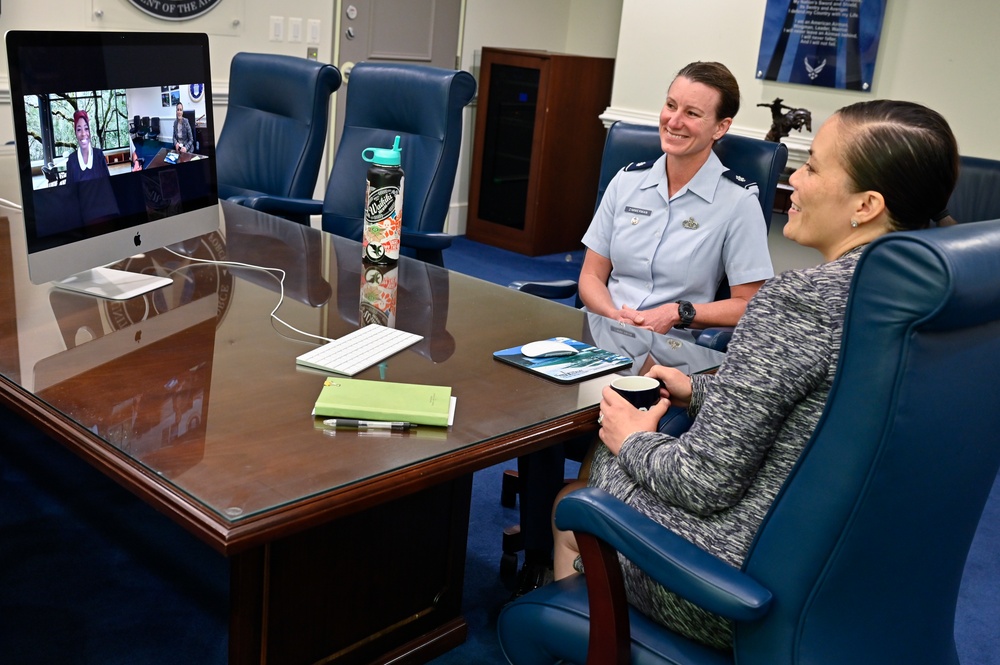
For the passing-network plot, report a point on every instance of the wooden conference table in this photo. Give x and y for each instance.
(160, 158)
(341, 546)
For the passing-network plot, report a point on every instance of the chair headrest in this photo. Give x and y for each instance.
(944, 278)
(417, 91)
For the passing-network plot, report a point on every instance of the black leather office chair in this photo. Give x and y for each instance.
(276, 125)
(860, 557)
(423, 106)
(135, 128)
(153, 130)
(51, 174)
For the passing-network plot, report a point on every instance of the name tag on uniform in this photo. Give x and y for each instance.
(638, 211)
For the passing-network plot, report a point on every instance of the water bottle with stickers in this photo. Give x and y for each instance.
(383, 225)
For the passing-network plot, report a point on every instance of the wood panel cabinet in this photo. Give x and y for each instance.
(537, 152)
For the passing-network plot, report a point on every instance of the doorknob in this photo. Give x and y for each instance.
(345, 70)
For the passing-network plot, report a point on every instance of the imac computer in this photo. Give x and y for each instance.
(102, 176)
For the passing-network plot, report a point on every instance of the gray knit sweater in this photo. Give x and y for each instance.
(715, 483)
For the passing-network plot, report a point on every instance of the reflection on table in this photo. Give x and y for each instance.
(168, 156)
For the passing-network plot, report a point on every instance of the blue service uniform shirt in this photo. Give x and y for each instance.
(663, 250)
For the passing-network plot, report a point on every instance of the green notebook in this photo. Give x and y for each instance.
(384, 400)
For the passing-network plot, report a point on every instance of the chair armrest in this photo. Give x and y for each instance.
(423, 240)
(675, 421)
(426, 246)
(677, 564)
(280, 205)
(554, 290)
(715, 338)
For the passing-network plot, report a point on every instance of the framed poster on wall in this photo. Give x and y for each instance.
(830, 43)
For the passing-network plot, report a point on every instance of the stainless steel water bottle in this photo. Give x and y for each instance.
(383, 226)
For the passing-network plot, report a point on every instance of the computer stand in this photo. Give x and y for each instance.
(112, 284)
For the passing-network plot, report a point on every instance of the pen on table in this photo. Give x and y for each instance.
(351, 423)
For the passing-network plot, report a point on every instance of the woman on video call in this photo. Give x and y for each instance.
(87, 170)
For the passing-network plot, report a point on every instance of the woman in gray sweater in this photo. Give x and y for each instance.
(874, 167)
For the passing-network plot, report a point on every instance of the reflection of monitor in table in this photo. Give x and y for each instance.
(54, 74)
(154, 377)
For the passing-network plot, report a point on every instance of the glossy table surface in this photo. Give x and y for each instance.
(190, 396)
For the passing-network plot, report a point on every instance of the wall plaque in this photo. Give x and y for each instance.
(175, 10)
(829, 43)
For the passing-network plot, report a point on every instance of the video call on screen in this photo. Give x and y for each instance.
(121, 87)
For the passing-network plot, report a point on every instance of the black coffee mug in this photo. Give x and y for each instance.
(642, 392)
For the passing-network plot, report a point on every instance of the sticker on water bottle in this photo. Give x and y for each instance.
(383, 224)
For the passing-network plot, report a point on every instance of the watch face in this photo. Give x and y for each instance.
(686, 311)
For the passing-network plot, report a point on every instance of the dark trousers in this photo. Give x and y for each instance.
(540, 478)
(541, 475)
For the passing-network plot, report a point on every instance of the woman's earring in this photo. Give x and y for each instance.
(854, 223)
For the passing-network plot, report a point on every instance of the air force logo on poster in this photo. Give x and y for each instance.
(829, 43)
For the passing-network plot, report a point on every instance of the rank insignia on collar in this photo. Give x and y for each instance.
(689, 223)
(738, 179)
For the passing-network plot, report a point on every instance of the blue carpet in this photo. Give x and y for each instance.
(90, 574)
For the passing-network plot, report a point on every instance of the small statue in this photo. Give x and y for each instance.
(785, 118)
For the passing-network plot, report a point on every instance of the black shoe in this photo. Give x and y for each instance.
(532, 576)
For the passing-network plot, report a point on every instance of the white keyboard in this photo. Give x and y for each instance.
(358, 350)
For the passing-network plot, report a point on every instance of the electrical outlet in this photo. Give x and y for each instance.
(277, 28)
(294, 29)
(312, 31)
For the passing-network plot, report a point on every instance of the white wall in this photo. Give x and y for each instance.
(939, 54)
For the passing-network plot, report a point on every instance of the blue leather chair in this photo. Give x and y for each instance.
(860, 558)
(275, 129)
(423, 106)
(977, 192)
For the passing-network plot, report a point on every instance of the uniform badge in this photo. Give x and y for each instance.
(689, 223)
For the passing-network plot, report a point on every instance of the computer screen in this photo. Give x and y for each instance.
(111, 159)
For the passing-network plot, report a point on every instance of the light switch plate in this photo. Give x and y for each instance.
(277, 28)
(312, 31)
(294, 29)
